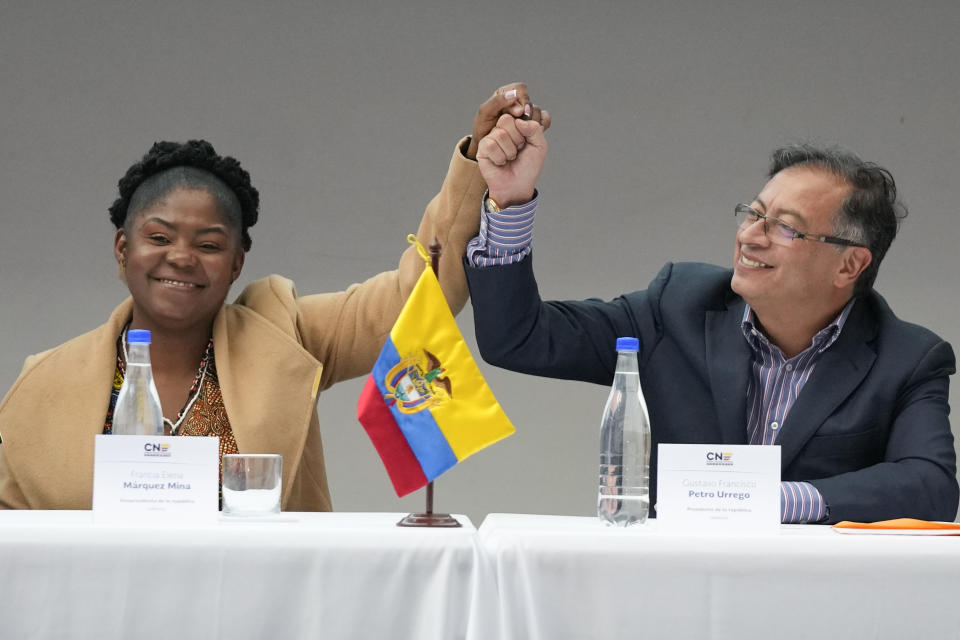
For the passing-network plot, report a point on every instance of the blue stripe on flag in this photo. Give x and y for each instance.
(427, 442)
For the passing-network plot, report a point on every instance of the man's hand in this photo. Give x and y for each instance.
(511, 158)
(513, 99)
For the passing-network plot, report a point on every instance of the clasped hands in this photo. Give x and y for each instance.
(509, 144)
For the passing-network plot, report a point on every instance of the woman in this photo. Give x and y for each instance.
(248, 372)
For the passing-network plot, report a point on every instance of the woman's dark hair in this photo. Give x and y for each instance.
(193, 165)
(870, 215)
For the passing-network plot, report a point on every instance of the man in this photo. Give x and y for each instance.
(793, 347)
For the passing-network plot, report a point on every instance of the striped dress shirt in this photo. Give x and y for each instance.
(773, 387)
(505, 237)
(775, 382)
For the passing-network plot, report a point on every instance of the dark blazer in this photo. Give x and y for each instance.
(869, 429)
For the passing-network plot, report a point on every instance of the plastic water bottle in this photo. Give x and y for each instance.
(138, 411)
(624, 495)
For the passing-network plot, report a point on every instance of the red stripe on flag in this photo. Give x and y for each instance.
(402, 466)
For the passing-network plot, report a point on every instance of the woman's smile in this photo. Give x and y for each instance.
(179, 284)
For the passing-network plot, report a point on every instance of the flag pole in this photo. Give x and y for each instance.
(428, 518)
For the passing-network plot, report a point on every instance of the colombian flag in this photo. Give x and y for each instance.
(425, 405)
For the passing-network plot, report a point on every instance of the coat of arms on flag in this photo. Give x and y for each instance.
(426, 405)
(417, 383)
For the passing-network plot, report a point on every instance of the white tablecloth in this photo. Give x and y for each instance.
(565, 577)
(331, 575)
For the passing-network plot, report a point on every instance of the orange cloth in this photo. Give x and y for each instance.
(899, 523)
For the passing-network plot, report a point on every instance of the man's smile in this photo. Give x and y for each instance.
(744, 260)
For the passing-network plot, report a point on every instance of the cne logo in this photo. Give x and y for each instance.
(417, 383)
(156, 449)
(724, 458)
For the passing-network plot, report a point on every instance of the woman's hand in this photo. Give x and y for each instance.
(512, 99)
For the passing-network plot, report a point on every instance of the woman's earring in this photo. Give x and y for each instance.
(122, 269)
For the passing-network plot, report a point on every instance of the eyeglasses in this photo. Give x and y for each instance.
(779, 231)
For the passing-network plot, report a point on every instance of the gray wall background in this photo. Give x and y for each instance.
(346, 114)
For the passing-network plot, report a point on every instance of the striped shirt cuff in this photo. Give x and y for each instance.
(801, 503)
(505, 237)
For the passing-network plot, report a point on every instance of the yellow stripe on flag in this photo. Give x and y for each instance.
(470, 417)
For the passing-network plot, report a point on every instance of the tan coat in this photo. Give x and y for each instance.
(274, 352)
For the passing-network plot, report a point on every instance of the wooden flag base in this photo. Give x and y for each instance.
(429, 519)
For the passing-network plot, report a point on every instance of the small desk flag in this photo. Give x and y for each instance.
(426, 405)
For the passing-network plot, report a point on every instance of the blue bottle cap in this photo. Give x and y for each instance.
(628, 344)
(139, 335)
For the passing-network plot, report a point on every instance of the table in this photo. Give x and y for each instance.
(329, 575)
(567, 577)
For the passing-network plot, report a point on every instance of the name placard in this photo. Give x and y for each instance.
(165, 478)
(721, 487)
